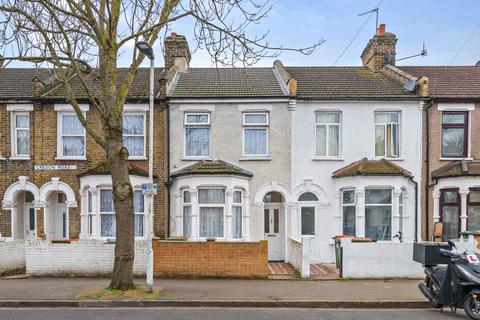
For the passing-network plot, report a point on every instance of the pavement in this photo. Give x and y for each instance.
(46, 292)
(224, 313)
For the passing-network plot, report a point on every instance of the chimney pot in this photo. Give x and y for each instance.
(173, 34)
(478, 63)
(381, 29)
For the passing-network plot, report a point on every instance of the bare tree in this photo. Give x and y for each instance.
(81, 40)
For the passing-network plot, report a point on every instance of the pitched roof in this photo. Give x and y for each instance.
(449, 81)
(366, 167)
(212, 167)
(227, 82)
(346, 83)
(135, 168)
(16, 83)
(458, 168)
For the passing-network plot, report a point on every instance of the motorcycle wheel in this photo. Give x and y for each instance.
(429, 285)
(469, 307)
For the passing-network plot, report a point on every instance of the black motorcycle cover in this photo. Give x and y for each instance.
(446, 295)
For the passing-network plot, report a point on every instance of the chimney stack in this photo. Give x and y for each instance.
(177, 53)
(1, 61)
(380, 50)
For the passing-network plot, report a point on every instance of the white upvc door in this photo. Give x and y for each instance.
(30, 224)
(61, 221)
(273, 232)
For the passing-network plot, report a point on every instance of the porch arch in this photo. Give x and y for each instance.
(269, 187)
(58, 186)
(10, 196)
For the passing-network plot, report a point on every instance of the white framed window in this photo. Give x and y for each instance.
(237, 215)
(134, 134)
(211, 204)
(71, 136)
(107, 214)
(255, 133)
(197, 134)
(187, 213)
(349, 212)
(378, 214)
(139, 209)
(89, 213)
(387, 134)
(327, 133)
(20, 134)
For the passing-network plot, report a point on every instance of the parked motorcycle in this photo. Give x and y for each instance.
(456, 285)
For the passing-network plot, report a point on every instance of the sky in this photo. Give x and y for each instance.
(444, 26)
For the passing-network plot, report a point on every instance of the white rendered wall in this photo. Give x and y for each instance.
(81, 258)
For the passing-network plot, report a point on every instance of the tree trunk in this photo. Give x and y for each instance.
(117, 155)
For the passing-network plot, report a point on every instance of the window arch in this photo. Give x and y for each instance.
(308, 196)
(273, 196)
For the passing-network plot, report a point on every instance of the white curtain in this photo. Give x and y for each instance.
(139, 225)
(211, 222)
(106, 200)
(135, 145)
(133, 134)
(321, 140)
(237, 222)
(197, 141)
(216, 196)
(256, 141)
(333, 140)
(72, 136)
(138, 202)
(197, 118)
(187, 221)
(23, 142)
(133, 124)
(259, 118)
(108, 225)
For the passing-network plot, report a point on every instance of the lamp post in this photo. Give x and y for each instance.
(147, 50)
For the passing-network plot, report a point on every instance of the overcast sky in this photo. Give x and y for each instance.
(444, 26)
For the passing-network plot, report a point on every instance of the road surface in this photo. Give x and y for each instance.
(221, 314)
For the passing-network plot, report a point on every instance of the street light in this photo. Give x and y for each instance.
(147, 50)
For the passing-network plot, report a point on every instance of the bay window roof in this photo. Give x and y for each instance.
(212, 167)
(366, 167)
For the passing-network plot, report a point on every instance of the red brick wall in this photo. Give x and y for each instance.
(211, 259)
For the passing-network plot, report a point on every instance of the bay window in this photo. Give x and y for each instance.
(450, 213)
(107, 214)
(187, 214)
(211, 203)
(327, 127)
(134, 134)
(255, 134)
(237, 215)
(473, 220)
(378, 214)
(71, 136)
(197, 134)
(454, 134)
(387, 131)
(348, 212)
(21, 134)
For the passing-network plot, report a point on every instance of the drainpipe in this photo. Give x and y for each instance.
(415, 183)
(427, 169)
(169, 182)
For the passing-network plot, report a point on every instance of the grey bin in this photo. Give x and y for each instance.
(428, 253)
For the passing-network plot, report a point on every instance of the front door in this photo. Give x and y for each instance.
(30, 222)
(61, 221)
(273, 232)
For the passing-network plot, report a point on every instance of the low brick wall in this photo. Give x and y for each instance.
(211, 259)
(79, 258)
(12, 256)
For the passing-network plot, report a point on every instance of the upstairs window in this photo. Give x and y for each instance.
(197, 134)
(454, 134)
(327, 126)
(21, 134)
(134, 134)
(387, 131)
(71, 136)
(255, 134)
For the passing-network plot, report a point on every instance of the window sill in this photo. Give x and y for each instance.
(71, 158)
(389, 159)
(137, 158)
(2, 158)
(255, 158)
(454, 159)
(20, 158)
(195, 158)
(327, 159)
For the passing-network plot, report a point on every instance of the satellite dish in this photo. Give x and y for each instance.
(410, 86)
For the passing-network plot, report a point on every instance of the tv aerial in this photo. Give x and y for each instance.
(423, 53)
(376, 9)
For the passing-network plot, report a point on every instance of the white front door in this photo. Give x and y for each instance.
(30, 219)
(273, 232)
(61, 221)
